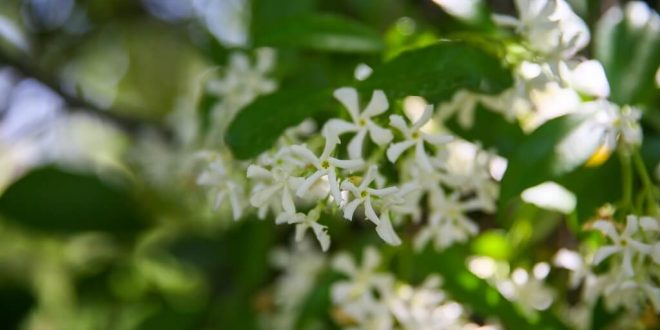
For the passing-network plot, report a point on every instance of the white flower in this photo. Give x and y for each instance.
(280, 184)
(529, 290)
(447, 221)
(300, 267)
(463, 104)
(357, 296)
(623, 243)
(468, 170)
(415, 137)
(222, 185)
(362, 123)
(242, 81)
(325, 166)
(304, 222)
(587, 77)
(550, 27)
(362, 195)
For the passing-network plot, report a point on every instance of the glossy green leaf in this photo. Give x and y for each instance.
(435, 72)
(321, 32)
(628, 44)
(257, 127)
(54, 200)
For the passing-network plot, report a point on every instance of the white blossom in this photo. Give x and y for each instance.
(277, 183)
(447, 223)
(415, 137)
(362, 121)
(363, 195)
(623, 243)
(325, 165)
(222, 184)
(549, 26)
(304, 222)
(357, 296)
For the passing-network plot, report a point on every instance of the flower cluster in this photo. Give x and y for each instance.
(374, 299)
(298, 181)
(550, 79)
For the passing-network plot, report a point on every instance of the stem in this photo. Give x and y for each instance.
(649, 188)
(627, 181)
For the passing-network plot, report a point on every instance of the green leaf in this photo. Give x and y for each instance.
(594, 186)
(53, 200)
(15, 304)
(436, 72)
(257, 127)
(629, 48)
(556, 148)
(321, 32)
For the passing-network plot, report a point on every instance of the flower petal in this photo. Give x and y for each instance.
(338, 127)
(421, 158)
(349, 164)
(379, 135)
(608, 228)
(377, 105)
(349, 209)
(395, 150)
(370, 258)
(258, 172)
(437, 139)
(349, 98)
(262, 196)
(604, 252)
(426, 116)
(649, 224)
(309, 181)
(343, 263)
(386, 231)
(306, 154)
(399, 123)
(287, 201)
(334, 186)
(631, 226)
(322, 236)
(370, 212)
(356, 144)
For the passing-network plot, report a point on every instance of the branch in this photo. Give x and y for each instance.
(77, 104)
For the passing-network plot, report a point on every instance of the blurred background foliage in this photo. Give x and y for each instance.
(89, 241)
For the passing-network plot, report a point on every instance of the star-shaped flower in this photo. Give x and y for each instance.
(364, 195)
(362, 123)
(304, 222)
(325, 166)
(624, 243)
(415, 137)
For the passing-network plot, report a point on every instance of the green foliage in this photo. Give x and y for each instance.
(321, 32)
(436, 72)
(258, 126)
(630, 53)
(51, 199)
(460, 66)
